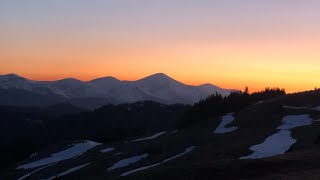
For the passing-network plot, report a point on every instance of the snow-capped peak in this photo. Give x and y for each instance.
(157, 87)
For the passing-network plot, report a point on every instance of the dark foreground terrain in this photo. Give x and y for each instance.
(196, 151)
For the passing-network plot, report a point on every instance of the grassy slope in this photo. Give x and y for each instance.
(218, 159)
(216, 156)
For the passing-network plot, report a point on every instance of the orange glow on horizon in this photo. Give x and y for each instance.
(232, 83)
(228, 65)
(230, 44)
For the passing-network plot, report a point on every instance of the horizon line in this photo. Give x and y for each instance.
(153, 74)
(110, 76)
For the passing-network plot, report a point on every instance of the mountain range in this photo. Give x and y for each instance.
(19, 91)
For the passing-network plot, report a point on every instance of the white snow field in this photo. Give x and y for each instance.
(227, 119)
(293, 121)
(187, 150)
(280, 142)
(74, 151)
(127, 162)
(150, 137)
(68, 171)
(106, 150)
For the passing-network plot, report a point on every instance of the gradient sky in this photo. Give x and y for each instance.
(230, 43)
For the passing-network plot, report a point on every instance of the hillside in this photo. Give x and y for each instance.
(27, 129)
(273, 139)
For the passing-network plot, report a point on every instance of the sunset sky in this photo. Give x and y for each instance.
(229, 43)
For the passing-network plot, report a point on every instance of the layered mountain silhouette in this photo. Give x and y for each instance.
(19, 91)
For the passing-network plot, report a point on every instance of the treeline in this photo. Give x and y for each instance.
(218, 105)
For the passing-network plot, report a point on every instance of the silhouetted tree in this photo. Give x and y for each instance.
(246, 90)
(217, 105)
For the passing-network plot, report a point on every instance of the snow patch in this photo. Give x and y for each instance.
(74, 151)
(293, 121)
(29, 174)
(174, 132)
(106, 150)
(275, 144)
(139, 169)
(227, 119)
(151, 137)
(280, 142)
(295, 107)
(317, 108)
(33, 155)
(127, 162)
(187, 150)
(259, 102)
(68, 171)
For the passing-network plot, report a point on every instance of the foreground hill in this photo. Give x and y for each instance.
(27, 129)
(273, 139)
(19, 91)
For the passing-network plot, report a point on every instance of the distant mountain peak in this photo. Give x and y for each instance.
(12, 76)
(160, 74)
(163, 75)
(207, 85)
(70, 80)
(158, 77)
(158, 87)
(107, 78)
